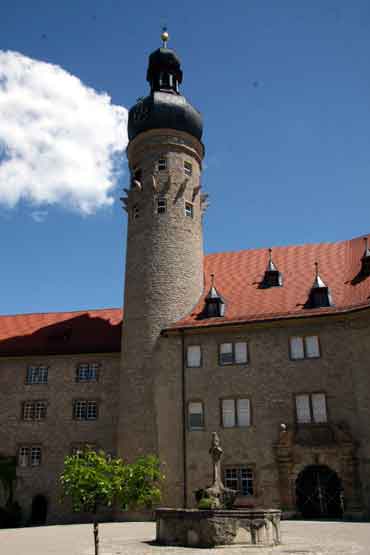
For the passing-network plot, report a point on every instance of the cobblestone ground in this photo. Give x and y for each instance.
(309, 538)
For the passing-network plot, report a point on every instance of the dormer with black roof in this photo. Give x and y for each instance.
(215, 304)
(320, 295)
(365, 260)
(272, 277)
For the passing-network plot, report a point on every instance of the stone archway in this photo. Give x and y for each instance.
(39, 510)
(319, 492)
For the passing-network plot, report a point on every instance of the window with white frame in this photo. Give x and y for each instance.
(193, 356)
(29, 455)
(37, 375)
(195, 415)
(240, 479)
(85, 410)
(236, 413)
(311, 408)
(161, 205)
(34, 410)
(233, 353)
(189, 209)
(162, 164)
(87, 372)
(188, 168)
(304, 347)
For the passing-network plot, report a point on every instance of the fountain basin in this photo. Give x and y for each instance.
(212, 527)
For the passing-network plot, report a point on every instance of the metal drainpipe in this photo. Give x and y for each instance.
(184, 421)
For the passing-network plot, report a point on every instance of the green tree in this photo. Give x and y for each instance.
(93, 480)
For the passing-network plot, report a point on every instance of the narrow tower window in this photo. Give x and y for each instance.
(188, 168)
(162, 164)
(161, 205)
(135, 212)
(189, 209)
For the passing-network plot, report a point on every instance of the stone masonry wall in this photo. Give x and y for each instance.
(59, 431)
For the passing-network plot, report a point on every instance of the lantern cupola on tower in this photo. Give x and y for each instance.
(320, 295)
(165, 107)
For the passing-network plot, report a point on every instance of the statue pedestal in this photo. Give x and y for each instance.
(211, 527)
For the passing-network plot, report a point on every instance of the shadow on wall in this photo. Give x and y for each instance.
(80, 334)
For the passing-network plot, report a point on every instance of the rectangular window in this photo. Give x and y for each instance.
(79, 448)
(236, 412)
(193, 359)
(29, 455)
(162, 164)
(312, 346)
(233, 353)
(188, 168)
(161, 205)
(319, 407)
(196, 419)
(85, 410)
(296, 348)
(87, 372)
(304, 347)
(37, 375)
(226, 353)
(189, 209)
(34, 410)
(311, 408)
(240, 479)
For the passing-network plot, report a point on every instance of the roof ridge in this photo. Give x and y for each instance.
(60, 312)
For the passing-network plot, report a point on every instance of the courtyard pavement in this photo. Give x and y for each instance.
(299, 537)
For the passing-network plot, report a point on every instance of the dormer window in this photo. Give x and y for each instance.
(272, 276)
(188, 168)
(215, 304)
(161, 205)
(365, 260)
(162, 164)
(320, 295)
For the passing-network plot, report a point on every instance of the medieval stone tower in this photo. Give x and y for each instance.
(164, 261)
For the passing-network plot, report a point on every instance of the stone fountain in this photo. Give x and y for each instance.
(216, 522)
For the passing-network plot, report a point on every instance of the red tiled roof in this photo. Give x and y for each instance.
(237, 278)
(239, 274)
(92, 331)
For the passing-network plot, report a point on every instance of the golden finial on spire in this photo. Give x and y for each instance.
(165, 36)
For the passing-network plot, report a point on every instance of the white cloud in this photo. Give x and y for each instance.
(58, 138)
(39, 216)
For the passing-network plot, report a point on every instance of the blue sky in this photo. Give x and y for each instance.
(284, 89)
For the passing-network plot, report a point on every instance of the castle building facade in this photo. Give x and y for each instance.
(269, 348)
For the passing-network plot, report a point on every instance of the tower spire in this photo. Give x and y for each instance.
(165, 36)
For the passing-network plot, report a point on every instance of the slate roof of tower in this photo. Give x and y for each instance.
(237, 278)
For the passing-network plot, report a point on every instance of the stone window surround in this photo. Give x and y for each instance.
(86, 419)
(34, 402)
(28, 381)
(312, 422)
(189, 209)
(233, 363)
(305, 357)
(235, 399)
(250, 466)
(29, 447)
(161, 204)
(201, 355)
(188, 168)
(195, 429)
(79, 365)
(161, 164)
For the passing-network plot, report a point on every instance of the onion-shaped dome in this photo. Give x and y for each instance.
(165, 107)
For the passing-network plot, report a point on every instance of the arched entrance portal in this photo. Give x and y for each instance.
(319, 493)
(39, 510)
